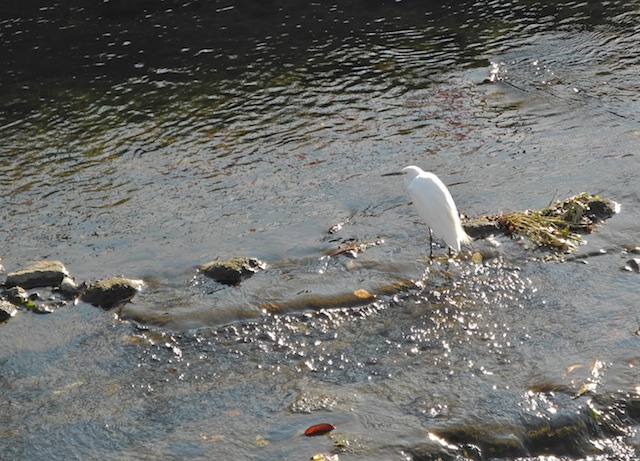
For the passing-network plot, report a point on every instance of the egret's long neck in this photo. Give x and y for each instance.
(408, 177)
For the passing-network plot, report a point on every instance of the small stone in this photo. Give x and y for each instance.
(477, 258)
(110, 292)
(7, 310)
(17, 295)
(42, 309)
(69, 287)
(39, 274)
(634, 264)
(232, 271)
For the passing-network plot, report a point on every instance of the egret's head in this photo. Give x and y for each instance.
(408, 173)
(411, 172)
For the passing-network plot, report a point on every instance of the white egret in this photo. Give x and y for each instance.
(435, 206)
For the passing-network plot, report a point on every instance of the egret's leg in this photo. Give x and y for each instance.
(430, 244)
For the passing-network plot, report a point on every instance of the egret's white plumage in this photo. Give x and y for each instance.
(435, 206)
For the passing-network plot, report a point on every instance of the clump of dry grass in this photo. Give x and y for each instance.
(558, 226)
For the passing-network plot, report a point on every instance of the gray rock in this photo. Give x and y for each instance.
(17, 295)
(7, 310)
(110, 292)
(633, 264)
(43, 308)
(232, 271)
(69, 287)
(480, 227)
(39, 274)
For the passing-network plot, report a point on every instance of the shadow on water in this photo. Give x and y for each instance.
(146, 138)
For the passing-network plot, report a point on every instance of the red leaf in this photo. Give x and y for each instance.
(319, 429)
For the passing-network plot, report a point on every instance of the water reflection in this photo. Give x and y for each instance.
(440, 325)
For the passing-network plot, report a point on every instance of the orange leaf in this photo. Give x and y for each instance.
(363, 294)
(319, 429)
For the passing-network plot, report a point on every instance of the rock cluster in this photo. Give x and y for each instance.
(45, 285)
(23, 288)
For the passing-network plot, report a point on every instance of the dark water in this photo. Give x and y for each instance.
(145, 138)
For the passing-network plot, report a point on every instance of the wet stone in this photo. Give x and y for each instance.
(69, 287)
(634, 264)
(232, 271)
(17, 295)
(43, 308)
(480, 227)
(7, 310)
(39, 274)
(110, 292)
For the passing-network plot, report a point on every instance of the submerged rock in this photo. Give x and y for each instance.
(7, 310)
(110, 292)
(232, 271)
(358, 297)
(39, 274)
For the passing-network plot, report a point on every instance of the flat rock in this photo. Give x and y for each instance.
(110, 292)
(480, 227)
(232, 271)
(7, 310)
(39, 274)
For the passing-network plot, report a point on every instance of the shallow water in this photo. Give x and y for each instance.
(145, 139)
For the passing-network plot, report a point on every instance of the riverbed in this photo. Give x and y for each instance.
(144, 139)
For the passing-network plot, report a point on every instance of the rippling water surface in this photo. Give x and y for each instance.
(146, 138)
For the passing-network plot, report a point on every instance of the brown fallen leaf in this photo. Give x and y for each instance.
(318, 429)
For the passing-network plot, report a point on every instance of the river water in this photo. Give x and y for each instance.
(144, 138)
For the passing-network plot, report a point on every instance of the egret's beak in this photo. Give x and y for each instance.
(395, 173)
